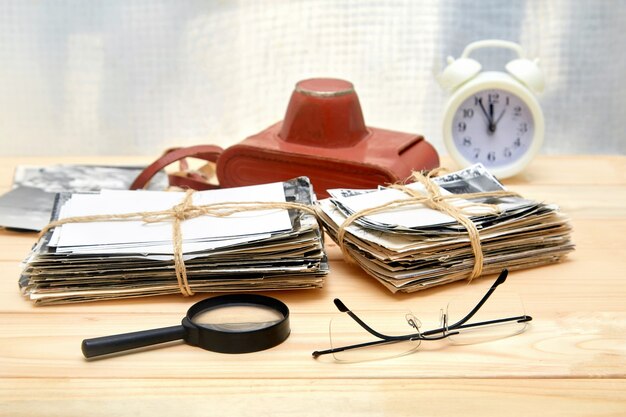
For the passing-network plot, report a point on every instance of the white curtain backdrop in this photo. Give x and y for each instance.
(135, 77)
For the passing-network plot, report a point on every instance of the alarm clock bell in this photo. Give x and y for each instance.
(464, 69)
(528, 73)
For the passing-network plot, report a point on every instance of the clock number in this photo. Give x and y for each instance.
(493, 98)
(517, 111)
(491, 156)
(507, 153)
(462, 126)
(523, 128)
(467, 141)
(476, 153)
(517, 143)
(507, 100)
(468, 113)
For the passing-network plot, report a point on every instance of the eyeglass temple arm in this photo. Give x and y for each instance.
(384, 338)
(423, 336)
(348, 347)
(500, 280)
(342, 307)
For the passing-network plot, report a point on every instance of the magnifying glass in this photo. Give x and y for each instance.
(238, 323)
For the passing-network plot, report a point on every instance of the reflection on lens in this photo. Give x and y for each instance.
(237, 318)
(344, 331)
(498, 318)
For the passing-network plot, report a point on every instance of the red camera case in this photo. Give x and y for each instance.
(323, 137)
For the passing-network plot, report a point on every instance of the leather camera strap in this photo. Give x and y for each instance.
(196, 181)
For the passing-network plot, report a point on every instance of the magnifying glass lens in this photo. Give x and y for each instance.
(237, 317)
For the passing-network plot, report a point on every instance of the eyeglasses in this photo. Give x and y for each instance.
(384, 334)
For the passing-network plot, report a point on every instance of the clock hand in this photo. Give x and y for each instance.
(499, 117)
(492, 124)
(480, 101)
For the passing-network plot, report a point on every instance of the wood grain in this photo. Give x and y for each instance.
(335, 397)
(572, 360)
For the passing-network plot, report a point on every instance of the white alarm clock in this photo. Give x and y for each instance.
(493, 117)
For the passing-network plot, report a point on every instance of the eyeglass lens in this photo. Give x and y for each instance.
(345, 331)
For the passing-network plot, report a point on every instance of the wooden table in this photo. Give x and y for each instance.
(572, 360)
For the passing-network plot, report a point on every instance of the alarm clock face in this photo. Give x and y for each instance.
(494, 127)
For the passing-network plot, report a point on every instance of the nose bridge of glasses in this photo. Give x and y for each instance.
(413, 321)
(443, 319)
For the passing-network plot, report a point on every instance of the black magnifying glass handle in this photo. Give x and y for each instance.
(110, 344)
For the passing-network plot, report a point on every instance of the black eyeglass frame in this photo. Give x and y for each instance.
(434, 334)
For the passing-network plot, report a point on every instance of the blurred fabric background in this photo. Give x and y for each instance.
(123, 77)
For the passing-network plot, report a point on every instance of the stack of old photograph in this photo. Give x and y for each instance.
(248, 250)
(414, 247)
(27, 206)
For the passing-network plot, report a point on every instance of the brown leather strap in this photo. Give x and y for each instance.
(206, 152)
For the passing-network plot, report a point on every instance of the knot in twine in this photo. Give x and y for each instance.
(185, 210)
(435, 200)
